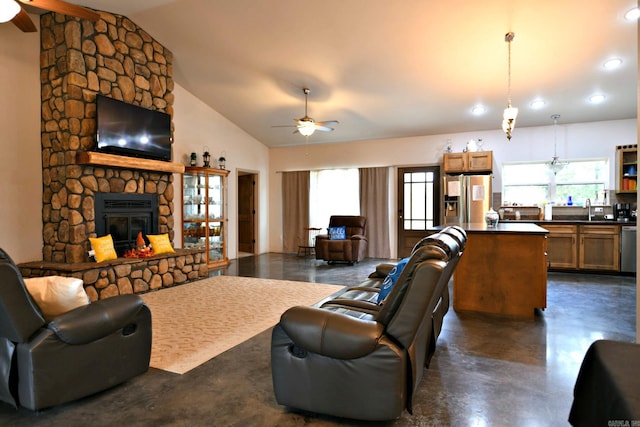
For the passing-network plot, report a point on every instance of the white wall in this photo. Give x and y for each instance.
(197, 126)
(20, 154)
(580, 140)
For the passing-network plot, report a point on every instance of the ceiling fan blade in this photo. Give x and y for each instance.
(284, 126)
(63, 7)
(323, 128)
(24, 22)
(328, 123)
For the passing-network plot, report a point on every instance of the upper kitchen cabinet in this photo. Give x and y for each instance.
(626, 168)
(470, 161)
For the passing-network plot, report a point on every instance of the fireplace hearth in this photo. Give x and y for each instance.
(124, 215)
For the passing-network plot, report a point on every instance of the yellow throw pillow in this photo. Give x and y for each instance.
(103, 248)
(56, 295)
(160, 244)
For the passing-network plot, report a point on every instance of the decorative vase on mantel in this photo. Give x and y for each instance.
(491, 218)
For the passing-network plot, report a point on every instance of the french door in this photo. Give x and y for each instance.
(418, 205)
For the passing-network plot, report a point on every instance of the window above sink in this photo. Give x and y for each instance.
(534, 184)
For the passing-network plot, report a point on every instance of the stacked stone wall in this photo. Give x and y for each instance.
(80, 59)
(127, 276)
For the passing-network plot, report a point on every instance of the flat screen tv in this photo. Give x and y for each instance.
(131, 130)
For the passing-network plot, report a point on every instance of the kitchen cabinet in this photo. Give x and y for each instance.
(584, 247)
(204, 214)
(470, 161)
(599, 247)
(626, 169)
(562, 245)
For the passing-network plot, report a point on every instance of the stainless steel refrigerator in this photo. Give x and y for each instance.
(467, 198)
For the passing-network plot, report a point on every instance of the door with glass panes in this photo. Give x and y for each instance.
(418, 205)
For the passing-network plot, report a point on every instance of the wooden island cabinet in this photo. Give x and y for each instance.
(503, 270)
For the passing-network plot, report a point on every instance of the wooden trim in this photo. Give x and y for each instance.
(200, 169)
(102, 159)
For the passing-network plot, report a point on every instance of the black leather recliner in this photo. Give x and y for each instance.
(451, 239)
(348, 361)
(79, 353)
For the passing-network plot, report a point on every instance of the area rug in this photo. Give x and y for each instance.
(195, 322)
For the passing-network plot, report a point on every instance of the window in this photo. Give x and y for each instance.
(333, 192)
(532, 183)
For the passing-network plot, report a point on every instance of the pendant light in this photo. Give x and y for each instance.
(555, 165)
(510, 113)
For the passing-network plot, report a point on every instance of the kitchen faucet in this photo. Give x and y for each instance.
(588, 205)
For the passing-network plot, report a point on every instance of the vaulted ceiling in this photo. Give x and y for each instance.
(394, 68)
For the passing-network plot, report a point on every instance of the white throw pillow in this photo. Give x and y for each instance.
(56, 295)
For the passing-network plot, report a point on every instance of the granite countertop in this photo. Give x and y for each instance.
(520, 227)
(568, 221)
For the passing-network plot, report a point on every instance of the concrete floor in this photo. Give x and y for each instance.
(487, 370)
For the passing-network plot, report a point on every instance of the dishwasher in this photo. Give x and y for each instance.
(628, 248)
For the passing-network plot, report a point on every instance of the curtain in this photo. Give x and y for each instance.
(295, 210)
(374, 205)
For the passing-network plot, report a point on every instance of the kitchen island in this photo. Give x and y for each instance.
(503, 270)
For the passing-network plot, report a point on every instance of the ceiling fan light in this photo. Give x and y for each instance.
(306, 129)
(8, 10)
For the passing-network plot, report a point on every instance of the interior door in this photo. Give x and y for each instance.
(418, 205)
(246, 212)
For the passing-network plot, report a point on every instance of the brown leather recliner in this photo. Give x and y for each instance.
(78, 353)
(352, 249)
(349, 363)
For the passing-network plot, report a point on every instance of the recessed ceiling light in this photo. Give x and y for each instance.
(596, 99)
(538, 104)
(478, 110)
(613, 63)
(633, 14)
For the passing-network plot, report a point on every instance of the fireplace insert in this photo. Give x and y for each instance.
(124, 215)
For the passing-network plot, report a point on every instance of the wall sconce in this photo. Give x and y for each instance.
(206, 158)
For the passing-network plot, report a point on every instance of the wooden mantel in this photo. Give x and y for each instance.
(102, 159)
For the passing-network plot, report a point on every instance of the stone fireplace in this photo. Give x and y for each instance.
(115, 58)
(80, 59)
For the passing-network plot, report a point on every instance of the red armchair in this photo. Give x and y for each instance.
(351, 249)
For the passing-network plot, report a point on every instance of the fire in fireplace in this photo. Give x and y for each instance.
(124, 215)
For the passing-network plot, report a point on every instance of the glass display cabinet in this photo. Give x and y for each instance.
(204, 216)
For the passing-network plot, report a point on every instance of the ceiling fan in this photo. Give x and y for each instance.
(12, 10)
(306, 125)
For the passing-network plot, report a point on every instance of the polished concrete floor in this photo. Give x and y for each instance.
(487, 370)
